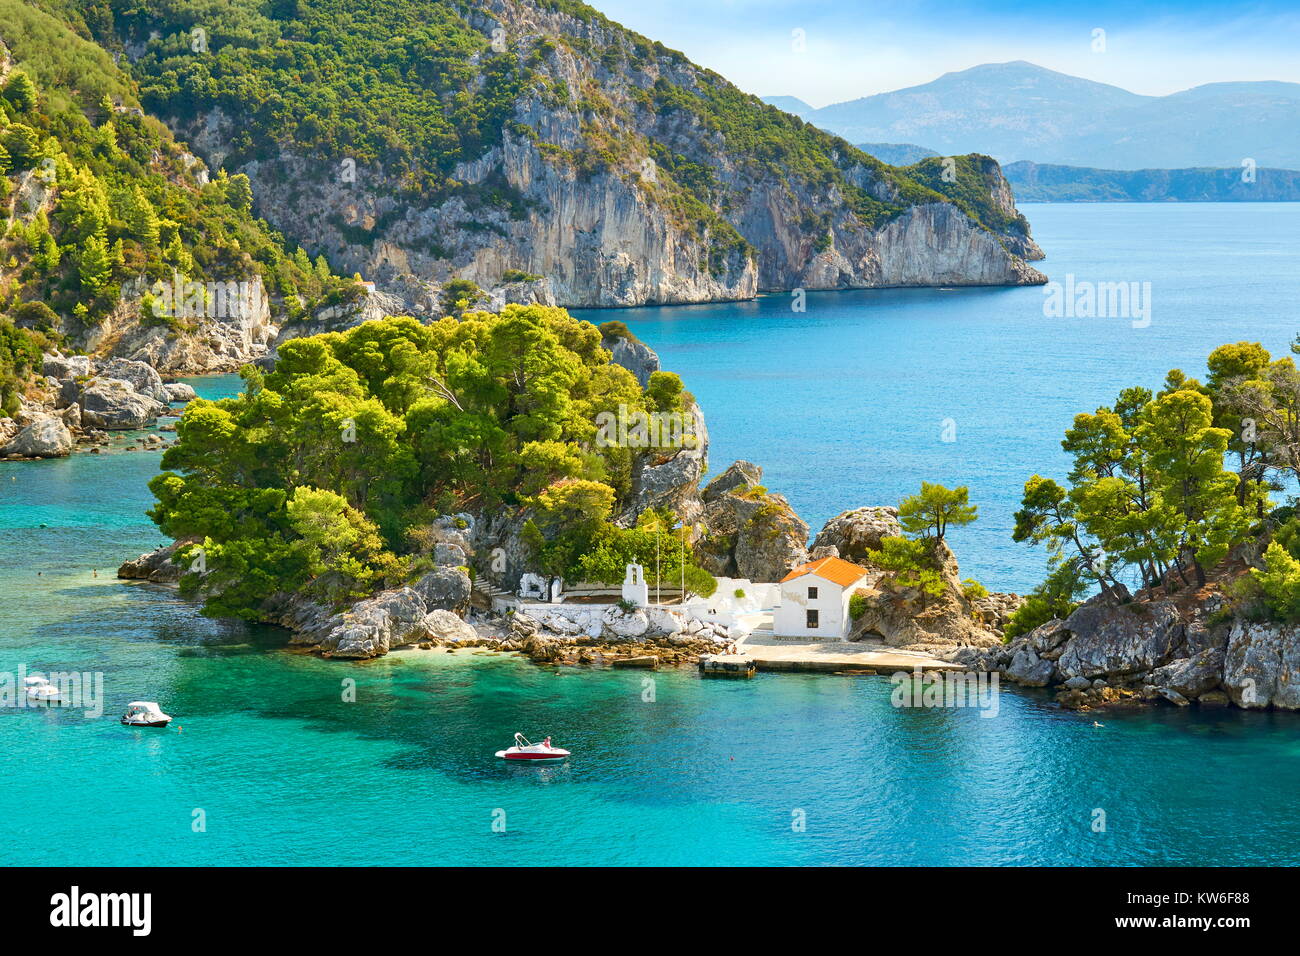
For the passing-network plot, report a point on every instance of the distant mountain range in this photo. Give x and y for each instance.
(1019, 111)
(1032, 182)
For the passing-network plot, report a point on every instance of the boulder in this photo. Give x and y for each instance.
(65, 367)
(739, 475)
(9, 430)
(750, 534)
(142, 377)
(1262, 666)
(179, 392)
(446, 588)
(855, 532)
(71, 416)
(445, 553)
(1109, 639)
(442, 625)
(373, 626)
(637, 357)
(624, 624)
(669, 478)
(115, 405)
(1029, 669)
(1191, 676)
(771, 542)
(156, 566)
(45, 437)
(900, 616)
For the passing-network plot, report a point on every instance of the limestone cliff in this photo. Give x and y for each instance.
(624, 175)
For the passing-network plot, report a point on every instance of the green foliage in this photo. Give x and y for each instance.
(127, 203)
(616, 329)
(459, 295)
(20, 359)
(857, 605)
(1054, 599)
(929, 513)
(335, 460)
(405, 84)
(1277, 584)
(20, 91)
(973, 590)
(1148, 489)
(909, 564)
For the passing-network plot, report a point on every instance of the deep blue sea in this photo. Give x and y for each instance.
(842, 405)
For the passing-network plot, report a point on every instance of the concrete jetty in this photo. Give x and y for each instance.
(771, 654)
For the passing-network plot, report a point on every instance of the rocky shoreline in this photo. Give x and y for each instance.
(81, 401)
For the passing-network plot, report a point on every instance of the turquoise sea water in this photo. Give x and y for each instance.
(844, 405)
(707, 772)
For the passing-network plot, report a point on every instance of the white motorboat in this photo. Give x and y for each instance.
(40, 690)
(144, 713)
(525, 751)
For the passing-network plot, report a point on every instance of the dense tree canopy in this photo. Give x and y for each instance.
(321, 474)
(1150, 498)
(125, 201)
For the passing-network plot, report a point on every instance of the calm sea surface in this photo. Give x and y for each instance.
(849, 403)
(843, 406)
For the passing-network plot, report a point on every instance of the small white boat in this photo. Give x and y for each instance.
(40, 690)
(144, 713)
(526, 752)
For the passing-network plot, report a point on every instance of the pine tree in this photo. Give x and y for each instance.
(21, 91)
(94, 264)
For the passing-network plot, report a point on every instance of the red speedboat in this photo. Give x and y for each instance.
(526, 752)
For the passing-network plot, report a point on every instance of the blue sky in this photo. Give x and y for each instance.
(858, 47)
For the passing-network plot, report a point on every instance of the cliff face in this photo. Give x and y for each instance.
(625, 175)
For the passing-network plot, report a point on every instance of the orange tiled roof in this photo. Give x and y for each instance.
(837, 570)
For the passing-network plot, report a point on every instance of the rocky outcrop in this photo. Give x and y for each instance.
(179, 392)
(904, 616)
(236, 329)
(739, 475)
(156, 566)
(445, 589)
(1107, 653)
(637, 357)
(45, 437)
(854, 533)
(141, 376)
(669, 478)
(114, 405)
(748, 532)
(1261, 666)
(1109, 641)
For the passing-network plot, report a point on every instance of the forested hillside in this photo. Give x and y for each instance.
(100, 203)
(533, 142)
